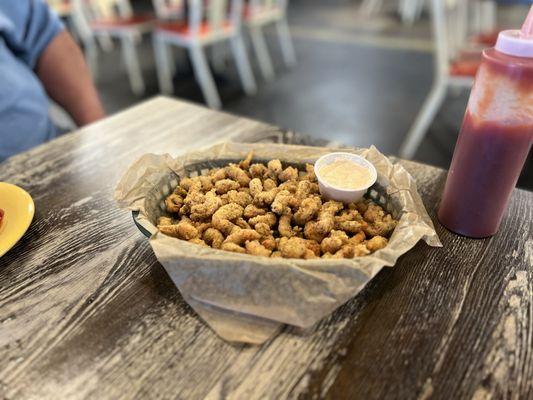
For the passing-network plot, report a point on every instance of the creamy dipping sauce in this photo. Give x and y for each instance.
(345, 174)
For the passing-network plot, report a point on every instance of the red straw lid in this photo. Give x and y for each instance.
(518, 43)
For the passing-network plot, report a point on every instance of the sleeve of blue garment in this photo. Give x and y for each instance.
(31, 26)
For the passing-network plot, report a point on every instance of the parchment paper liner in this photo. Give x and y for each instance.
(245, 298)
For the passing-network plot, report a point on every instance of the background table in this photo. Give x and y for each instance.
(86, 311)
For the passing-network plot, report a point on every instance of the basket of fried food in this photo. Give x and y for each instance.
(244, 233)
(269, 209)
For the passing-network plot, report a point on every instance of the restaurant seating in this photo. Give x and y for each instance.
(96, 19)
(257, 15)
(456, 61)
(207, 24)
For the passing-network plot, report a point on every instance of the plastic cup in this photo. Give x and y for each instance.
(331, 192)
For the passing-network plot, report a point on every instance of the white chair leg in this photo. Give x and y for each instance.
(91, 55)
(243, 65)
(105, 42)
(162, 63)
(285, 41)
(205, 78)
(170, 55)
(131, 60)
(261, 52)
(423, 120)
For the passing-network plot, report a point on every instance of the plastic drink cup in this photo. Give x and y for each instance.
(495, 137)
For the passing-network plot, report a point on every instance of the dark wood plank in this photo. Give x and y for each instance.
(86, 311)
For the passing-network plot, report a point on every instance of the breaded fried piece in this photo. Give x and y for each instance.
(351, 251)
(257, 249)
(201, 227)
(376, 243)
(295, 247)
(242, 223)
(285, 228)
(280, 205)
(235, 248)
(314, 246)
(269, 184)
(218, 174)
(245, 164)
(180, 191)
(263, 229)
(213, 237)
(241, 198)
(186, 183)
(184, 210)
(348, 215)
(383, 227)
(291, 186)
(311, 232)
(223, 217)
(241, 236)
(253, 211)
(325, 221)
(206, 182)
(269, 218)
(334, 242)
(173, 203)
(307, 211)
(292, 247)
(309, 173)
(258, 171)
(265, 199)
(238, 175)
(276, 254)
(207, 208)
(358, 238)
(182, 230)
(350, 226)
(274, 167)
(304, 189)
(256, 187)
(225, 185)
(289, 173)
(164, 221)
(269, 243)
(373, 213)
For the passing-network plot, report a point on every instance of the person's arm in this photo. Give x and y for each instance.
(66, 78)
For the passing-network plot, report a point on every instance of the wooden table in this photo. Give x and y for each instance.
(86, 311)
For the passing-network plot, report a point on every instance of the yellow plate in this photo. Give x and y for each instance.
(18, 213)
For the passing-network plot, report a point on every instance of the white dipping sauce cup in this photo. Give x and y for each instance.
(339, 194)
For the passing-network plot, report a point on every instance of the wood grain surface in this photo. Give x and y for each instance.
(87, 312)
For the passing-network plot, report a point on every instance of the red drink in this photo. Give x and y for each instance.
(493, 145)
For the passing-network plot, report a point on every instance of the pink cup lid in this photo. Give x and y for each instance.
(518, 43)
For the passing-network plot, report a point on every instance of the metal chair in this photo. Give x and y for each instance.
(101, 19)
(258, 14)
(208, 24)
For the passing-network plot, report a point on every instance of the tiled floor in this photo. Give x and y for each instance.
(358, 82)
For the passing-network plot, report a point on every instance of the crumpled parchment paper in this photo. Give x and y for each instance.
(245, 298)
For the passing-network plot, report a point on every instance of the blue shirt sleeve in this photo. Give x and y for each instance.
(28, 28)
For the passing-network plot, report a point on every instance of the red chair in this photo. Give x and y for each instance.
(208, 24)
(103, 19)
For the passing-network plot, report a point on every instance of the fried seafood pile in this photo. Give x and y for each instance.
(271, 211)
